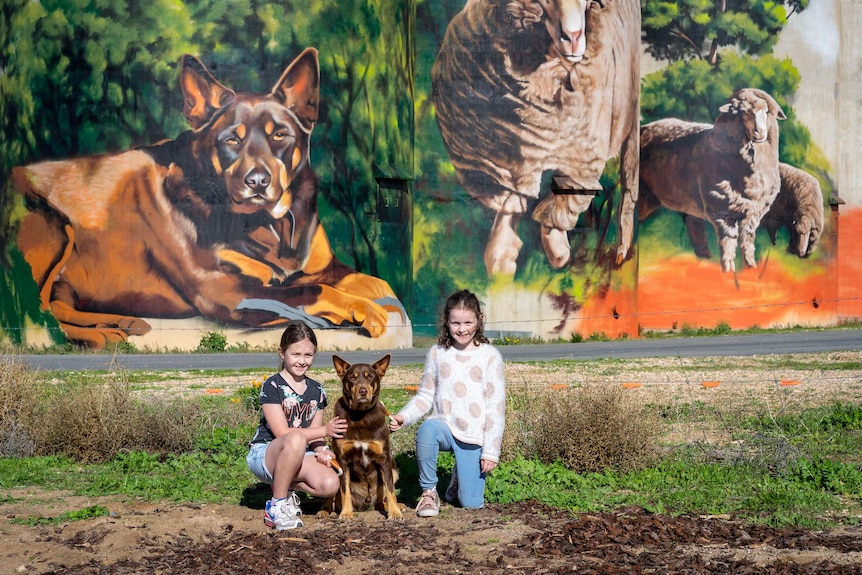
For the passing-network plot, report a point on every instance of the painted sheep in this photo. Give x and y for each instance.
(526, 87)
(726, 173)
(799, 207)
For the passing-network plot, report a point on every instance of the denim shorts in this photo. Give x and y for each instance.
(256, 461)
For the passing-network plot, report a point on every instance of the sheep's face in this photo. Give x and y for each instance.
(566, 22)
(754, 114)
(753, 108)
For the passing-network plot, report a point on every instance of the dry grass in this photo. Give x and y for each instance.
(589, 414)
(89, 422)
(17, 408)
(588, 428)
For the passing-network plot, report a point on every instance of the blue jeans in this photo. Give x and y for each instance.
(433, 436)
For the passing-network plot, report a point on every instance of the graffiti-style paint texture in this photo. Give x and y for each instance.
(142, 230)
(734, 220)
(220, 222)
(590, 168)
(532, 100)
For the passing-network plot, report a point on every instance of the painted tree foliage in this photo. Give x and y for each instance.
(81, 78)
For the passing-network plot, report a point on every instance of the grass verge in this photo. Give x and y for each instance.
(800, 467)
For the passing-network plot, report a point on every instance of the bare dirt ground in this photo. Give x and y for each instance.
(527, 537)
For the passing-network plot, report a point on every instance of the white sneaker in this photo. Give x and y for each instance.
(429, 503)
(292, 506)
(284, 514)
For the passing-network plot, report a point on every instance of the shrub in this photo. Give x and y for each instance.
(249, 396)
(86, 422)
(94, 422)
(594, 428)
(212, 342)
(18, 404)
(165, 426)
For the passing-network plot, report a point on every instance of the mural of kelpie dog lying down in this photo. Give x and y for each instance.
(220, 222)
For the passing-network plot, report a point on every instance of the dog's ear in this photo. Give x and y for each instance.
(341, 366)
(381, 365)
(299, 88)
(203, 94)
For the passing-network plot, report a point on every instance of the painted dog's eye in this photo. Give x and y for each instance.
(232, 141)
(279, 136)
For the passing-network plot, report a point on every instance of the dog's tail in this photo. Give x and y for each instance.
(335, 466)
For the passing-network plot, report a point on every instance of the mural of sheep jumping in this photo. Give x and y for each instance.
(726, 173)
(799, 208)
(526, 87)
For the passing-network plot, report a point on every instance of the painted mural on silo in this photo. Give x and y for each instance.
(730, 212)
(194, 178)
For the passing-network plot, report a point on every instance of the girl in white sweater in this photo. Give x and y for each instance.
(464, 387)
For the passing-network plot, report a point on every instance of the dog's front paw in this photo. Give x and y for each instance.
(396, 514)
(348, 516)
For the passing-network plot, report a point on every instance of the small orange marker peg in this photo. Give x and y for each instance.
(710, 384)
(632, 385)
(789, 382)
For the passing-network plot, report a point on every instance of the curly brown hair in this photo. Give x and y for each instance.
(463, 299)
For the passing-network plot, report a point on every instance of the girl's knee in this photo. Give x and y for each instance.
(331, 485)
(286, 448)
(295, 441)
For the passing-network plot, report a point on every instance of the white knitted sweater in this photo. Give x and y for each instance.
(467, 390)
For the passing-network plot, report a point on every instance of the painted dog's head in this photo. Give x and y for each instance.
(243, 171)
(360, 382)
(255, 143)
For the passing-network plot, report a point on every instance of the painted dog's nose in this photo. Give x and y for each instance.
(258, 179)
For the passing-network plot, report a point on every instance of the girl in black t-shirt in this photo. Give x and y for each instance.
(288, 450)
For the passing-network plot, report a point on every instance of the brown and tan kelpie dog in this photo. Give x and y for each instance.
(369, 472)
(220, 222)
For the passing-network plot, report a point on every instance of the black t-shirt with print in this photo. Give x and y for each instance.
(299, 410)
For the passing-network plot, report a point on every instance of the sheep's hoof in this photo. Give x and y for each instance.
(557, 248)
(501, 253)
(622, 253)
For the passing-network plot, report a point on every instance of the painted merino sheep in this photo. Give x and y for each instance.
(726, 174)
(523, 87)
(799, 206)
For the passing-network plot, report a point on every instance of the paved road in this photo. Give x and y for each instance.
(729, 345)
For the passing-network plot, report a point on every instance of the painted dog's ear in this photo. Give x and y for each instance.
(341, 366)
(381, 365)
(202, 93)
(299, 88)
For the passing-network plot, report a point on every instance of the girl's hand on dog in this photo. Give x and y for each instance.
(324, 456)
(336, 427)
(395, 422)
